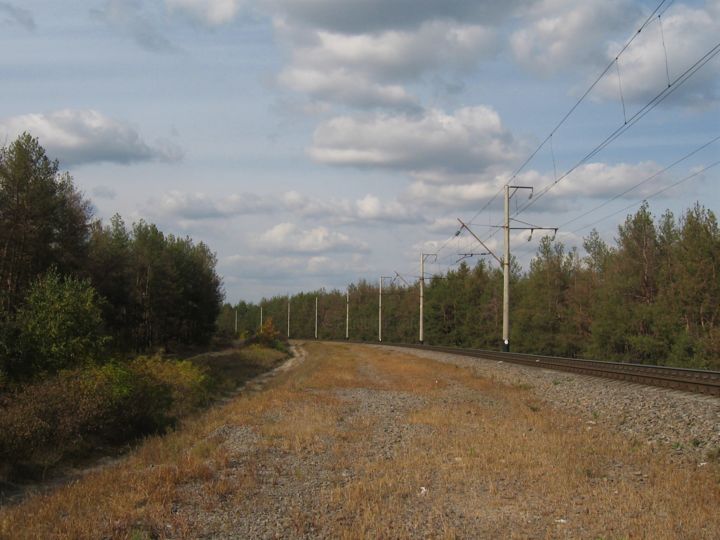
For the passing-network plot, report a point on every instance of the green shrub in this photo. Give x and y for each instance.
(76, 410)
(60, 326)
(189, 384)
(269, 336)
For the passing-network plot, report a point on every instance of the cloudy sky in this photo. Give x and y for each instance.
(314, 142)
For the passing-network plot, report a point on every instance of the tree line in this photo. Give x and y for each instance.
(73, 289)
(651, 297)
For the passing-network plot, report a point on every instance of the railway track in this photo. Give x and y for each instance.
(688, 380)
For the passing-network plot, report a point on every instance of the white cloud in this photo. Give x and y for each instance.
(689, 34)
(86, 136)
(590, 181)
(368, 69)
(443, 225)
(465, 196)
(399, 55)
(289, 238)
(199, 206)
(564, 33)
(369, 209)
(602, 180)
(471, 139)
(343, 86)
(211, 12)
(296, 272)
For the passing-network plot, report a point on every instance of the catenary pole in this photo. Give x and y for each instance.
(347, 314)
(288, 325)
(422, 295)
(316, 317)
(380, 312)
(423, 258)
(506, 275)
(380, 307)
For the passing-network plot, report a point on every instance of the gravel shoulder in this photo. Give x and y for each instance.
(684, 423)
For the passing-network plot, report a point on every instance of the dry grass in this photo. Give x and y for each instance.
(439, 453)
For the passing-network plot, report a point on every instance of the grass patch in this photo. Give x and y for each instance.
(229, 369)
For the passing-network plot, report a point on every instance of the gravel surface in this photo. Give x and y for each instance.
(689, 424)
(283, 485)
(278, 487)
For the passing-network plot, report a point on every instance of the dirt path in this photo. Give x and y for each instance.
(355, 442)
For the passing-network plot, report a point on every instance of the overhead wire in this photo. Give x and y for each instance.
(659, 10)
(587, 92)
(642, 182)
(569, 113)
(641, 113)
(653, 195)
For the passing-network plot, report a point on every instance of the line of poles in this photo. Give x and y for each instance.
(503, 261)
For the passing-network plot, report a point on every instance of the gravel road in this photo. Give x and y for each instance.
(280, 487)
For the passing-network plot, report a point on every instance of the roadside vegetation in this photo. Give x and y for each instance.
(358, 442)
(652, 297)
(95, 320)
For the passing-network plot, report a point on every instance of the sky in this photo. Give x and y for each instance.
(311, 143)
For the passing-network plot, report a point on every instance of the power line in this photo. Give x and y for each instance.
(649, 106)
(641, 183)
(587, 92)
(659, 192)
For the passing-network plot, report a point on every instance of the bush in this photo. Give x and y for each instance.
(76, 410)
(189, 384)
(269, 336)
(59, 327)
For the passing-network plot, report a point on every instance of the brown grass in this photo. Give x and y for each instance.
(465, 457)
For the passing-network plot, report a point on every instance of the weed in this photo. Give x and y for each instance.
(713, 454)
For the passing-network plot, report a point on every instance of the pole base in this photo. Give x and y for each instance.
(506, 347)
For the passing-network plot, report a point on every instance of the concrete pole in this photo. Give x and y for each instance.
(422, 295)
(288, 328)
(316, 317)
(347, 314)
(236, 317)
(506, 275)
(261, 317)
(380, 313)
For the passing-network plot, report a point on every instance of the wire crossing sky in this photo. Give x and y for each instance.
(311, 143)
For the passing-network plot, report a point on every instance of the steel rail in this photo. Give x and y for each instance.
(689, 380)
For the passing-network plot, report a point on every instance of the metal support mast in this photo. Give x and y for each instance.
(423, 258)
(288, 328)
(505, 262)
(347, 314)
(506, 276)
(316, 317)
(380, 307)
